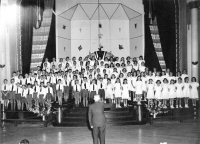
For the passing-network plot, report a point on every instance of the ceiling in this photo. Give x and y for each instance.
(102, 11)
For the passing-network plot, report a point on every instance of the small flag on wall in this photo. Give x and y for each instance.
(121, 47)
(80, 48)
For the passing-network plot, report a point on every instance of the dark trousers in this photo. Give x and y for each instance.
(99, 133)
(12, 100)
(102, 93)
(84, 95)
(91, 97)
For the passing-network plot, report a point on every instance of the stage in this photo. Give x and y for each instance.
(187, 132)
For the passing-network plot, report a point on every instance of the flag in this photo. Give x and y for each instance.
(80, 48)
(121, 47)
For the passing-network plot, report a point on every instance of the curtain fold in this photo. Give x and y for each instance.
(50, 51)
(151, 59)
(31, 16)
(27, 23)
(165, 13)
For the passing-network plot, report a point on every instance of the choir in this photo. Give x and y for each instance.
(116, 80)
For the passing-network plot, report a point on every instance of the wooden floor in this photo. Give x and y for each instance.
(170, 132)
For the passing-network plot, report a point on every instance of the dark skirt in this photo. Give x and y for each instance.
(92, 94)
(24, 100)
(12, 95)
(66, 90)
(101, 92)
(5, 95)
(41, 98)
(84, 93)
(29, 98)
(49, 96)
(18, 97)
(59, 93)
(76, 95)
(35, 95)
(54, 88)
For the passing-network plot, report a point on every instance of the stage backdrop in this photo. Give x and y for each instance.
(121, 24)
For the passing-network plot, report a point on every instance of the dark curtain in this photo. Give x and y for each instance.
(165, 13)
(164, 10)
(50, 51)
(29, 20)
(151, 59)
(27, 23)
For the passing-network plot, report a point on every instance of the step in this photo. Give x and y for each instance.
(72, 124)
(107, 114)
(79, 119)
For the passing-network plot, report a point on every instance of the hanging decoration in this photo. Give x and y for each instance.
(100, 35)
(80, 48)
(39, 14)
(121, 47)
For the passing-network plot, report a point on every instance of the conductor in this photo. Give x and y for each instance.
(97, 120)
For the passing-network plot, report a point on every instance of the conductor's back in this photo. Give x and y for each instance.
(96, 114)
(97, 120)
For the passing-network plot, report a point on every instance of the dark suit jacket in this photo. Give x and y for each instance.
(96, 114)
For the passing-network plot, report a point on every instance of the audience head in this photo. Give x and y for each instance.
(24, 141)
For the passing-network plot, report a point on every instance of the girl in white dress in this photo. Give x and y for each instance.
(186, 91)
(133, 82)
(121, 77)
(144, 87)
(130, 87)
(125, 92)
(165, 92)
(158, 92)
(117, 92)
(150, 92)
(109, 91)
(172, 93)
(179, 92)
(194, 91)
(139, 89)
(113, 79)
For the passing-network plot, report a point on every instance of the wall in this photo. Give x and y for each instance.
(85, 33)
(136, 36)
(63, 37)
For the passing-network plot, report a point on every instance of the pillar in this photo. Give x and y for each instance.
(194, 5)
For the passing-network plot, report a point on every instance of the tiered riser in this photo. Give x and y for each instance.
(79, 117)
(19, 117)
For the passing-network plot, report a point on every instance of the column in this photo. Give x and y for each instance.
(194, 5)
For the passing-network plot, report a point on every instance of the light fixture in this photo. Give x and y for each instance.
(99, 27)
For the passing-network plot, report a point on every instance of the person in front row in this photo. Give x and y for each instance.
(97, 120)
(84, 92)
(13, 88)
(76, 92)
(60, 90)
(101, 87)
(49, 93)
(93, 90)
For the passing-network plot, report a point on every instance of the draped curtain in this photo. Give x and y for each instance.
(164, 11)
(29, 19)
(27, 23)
(50, 51)
(151, 59)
